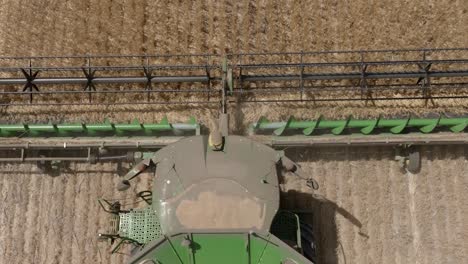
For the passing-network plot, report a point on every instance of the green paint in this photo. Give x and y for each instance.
(97, 129)
(226, 248)
(366, 127)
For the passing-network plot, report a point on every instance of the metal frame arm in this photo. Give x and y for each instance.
(134, 172)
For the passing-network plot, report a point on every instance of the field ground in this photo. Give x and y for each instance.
(367, 210)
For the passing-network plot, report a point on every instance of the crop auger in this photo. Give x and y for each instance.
(215, 197)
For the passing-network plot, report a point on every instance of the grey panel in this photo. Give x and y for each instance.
(199, 189)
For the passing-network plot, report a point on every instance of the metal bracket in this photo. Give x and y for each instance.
(30, 86)
(302, 75)
(426, 83)
(291, 166)
(149, 76)
(208, 83)
(124, 184)
(366, 93)
(89, 74)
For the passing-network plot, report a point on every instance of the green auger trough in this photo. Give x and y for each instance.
(106, 128)
(366, 127)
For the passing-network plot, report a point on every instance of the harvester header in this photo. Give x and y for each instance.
(215, 197)
(369, 76)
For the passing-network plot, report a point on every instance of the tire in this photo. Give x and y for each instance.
(308, 242)
(123, 185)
(414, 162)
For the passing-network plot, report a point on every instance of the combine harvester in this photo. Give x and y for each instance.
(215, 198)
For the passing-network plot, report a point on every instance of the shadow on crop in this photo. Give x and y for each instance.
(320, 213)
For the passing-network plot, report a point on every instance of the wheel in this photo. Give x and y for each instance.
(308, 242)
(413, 164)
(123, 185)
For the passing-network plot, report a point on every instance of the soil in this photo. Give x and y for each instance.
(366, 211)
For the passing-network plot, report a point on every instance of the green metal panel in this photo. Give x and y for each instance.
(97, 129)
(219, 248)
(169, 252)
(337, 127)
(266, 252)
(215, 248)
